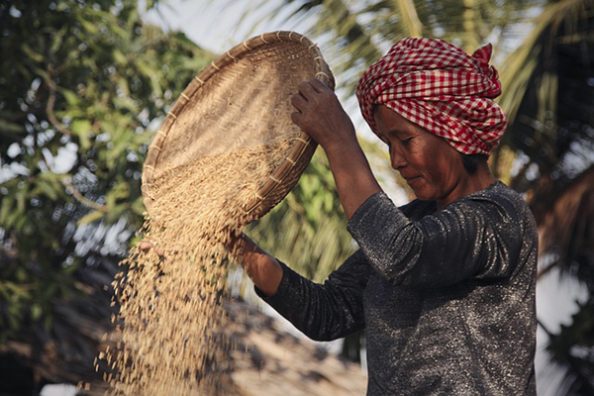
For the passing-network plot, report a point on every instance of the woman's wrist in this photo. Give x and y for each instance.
(342, 137)
(344, 148)
(266, 273)
(263, 269)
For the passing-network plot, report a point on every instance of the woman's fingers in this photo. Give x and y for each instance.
(234, 243)
(307, 99)
(301, 105)
(298, 102)
(319, 85)
(247, 244)
(240, 244)
(296, 118)
(309, 94)
(307, 89)
(320, 114)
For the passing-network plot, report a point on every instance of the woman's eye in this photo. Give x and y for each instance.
(406, 140)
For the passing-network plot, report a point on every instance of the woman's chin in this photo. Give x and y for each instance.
(424, 197)
(419, 188)
(425, 194)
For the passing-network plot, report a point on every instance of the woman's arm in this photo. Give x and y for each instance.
(321, 311)
(321, 116)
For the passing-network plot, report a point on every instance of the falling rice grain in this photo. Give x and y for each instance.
(170, 321)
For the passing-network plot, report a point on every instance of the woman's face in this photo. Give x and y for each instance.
(430, 166)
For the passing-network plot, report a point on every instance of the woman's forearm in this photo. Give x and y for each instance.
(354, 180)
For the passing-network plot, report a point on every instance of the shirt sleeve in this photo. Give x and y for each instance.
(469, 238)
(326, 311)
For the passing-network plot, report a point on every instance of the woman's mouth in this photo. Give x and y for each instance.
(411, 178)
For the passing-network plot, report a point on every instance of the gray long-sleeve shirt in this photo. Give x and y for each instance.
(447, 297)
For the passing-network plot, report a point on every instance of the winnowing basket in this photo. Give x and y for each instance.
(242, 100)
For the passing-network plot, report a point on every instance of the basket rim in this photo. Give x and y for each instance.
(306, 144)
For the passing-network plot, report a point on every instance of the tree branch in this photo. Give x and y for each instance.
(51, 117)
(544, 328)
(51, 102)
(81, 198)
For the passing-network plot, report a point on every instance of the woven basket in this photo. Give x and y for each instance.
(247, 91)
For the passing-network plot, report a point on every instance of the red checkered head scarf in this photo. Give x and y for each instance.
(440, 88)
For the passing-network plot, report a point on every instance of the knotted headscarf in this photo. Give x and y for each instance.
(439, 87)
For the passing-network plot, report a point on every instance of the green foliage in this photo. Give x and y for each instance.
(82, 89)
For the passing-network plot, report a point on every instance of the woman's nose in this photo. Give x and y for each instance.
(396, 157)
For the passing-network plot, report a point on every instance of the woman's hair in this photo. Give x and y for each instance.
(471, 162)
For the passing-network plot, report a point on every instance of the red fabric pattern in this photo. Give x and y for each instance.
(439, 87)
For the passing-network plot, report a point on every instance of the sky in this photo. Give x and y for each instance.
(217, 26)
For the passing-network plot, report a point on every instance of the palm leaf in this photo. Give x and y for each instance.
(520, 66)
(566, 226)
(409, 17)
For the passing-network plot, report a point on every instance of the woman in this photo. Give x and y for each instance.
(445, 285)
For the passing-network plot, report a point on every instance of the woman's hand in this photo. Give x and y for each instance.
(262, 268)
(321, 116)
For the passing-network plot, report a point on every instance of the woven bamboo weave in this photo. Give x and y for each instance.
(242, 99)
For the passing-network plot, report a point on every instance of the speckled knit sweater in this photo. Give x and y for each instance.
(446, 297)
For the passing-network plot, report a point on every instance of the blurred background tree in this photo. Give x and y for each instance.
(81, 94)
(83, 85)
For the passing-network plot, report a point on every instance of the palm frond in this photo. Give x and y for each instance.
(566, 218)
(520, 67)
(409, 17)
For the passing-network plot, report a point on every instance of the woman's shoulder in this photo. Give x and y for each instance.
(497, 190)
(499, 200)
(498, 193)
